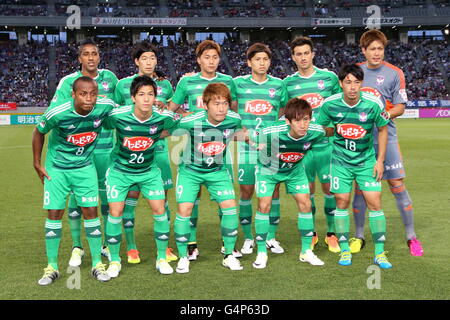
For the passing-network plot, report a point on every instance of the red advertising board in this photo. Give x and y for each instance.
(8, 106)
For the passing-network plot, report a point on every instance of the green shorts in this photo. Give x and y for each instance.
(82, 182)
(246, 166)
(118, 184)
(163, 162)
(266, 181)
(342, 178)
(102, 161)
(317, 162)
(218, 183)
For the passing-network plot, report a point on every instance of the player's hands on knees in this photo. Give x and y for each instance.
(378, 170)
(161, 106)
(42, 173)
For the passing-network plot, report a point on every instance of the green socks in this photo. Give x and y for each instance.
(329, 207)
(182, 230)
(274, 219)
(342, 225)
(93, 232)
(245, 217)
(262, 225)
(193, 223)
(305, 224)
(377, 223)
(53, 230)
(161, 228)
(228, 226)
(114, 236)
(129, 212)
(74, 213)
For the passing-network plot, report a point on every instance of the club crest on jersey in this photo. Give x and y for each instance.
(200, 104)
(82, 139)
(97, 123)
(176, 116)
(315, 100)
(227, 133)
(321, 84)
(258, 107)
(272, 92)
(307, 146)
(159, 91)
(291, 157)
(137, 143)
(351, 131)
(211, 148)
(380, 79)
(362, 116)
(153, 129)
(105, 86)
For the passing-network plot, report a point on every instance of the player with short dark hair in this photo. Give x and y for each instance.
(282, 147)
(387, 82)
(354, 115)
(261, 99)
(75, 125)
(314, 85)
(145, 57)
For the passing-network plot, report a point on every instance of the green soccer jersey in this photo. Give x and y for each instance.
(353, 127)
(205, 151)
(283, 153)
(190, 89)
(107, 82)
(74, 137)
(259, 103)
(314, 89)
(122, 95)
(134, 151)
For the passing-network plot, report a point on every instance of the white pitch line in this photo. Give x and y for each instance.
(16, 147)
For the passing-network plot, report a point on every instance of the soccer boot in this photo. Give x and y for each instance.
(183, 265)
(382, 261)
(193, 252)
(76, 257)
(99, 272)
(356, 244)
(170, 256)
(261, 260)
(311, 258)
(274, 246)
(106, 253)
(133, 256)
(247, 247)
(163, 267)
(50, 276)
(415, 247)
(232, 263)
(346, 258)
(315, 240)
(332, 243)
(114, 269)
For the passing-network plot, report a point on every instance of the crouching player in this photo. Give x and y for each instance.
(75, 126)
(138, 128)
(354, 115)
(209, 132)
(282, 148)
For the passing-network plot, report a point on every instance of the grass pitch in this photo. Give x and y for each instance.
(426, 150)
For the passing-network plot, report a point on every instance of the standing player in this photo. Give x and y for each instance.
(75, 127)
(190, 89)
(314, 85)
(354, 115)
(260, 99)
(283, 147)
(144, 56)
(387, 82)
(138, 128)
(210, 132)
(89, 58)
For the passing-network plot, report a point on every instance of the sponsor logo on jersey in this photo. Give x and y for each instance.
(351, 131)
(291, 156)
(97, 123)
(340, 115)
(248, 91)
(385, 115)
(371, 90)
(71, 127)
(307, 146)
(127, 128)
(272, 92)
(153, 129)
(198, 87)
(200, 104)
(211, 148)
(362, 116)
(82, 139)
(380, 79)
(297, 87)
(137, 143)
(321, 84)
(315, 100)
(158, 90)
(403, 94)
(258, 107)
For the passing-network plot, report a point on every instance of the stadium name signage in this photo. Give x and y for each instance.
(124, 21)
(428, 103)
(383, 21)
(331, 21)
